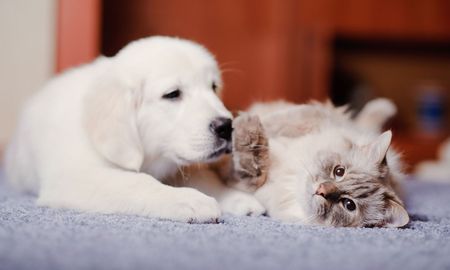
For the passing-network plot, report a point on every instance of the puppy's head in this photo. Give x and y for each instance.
(159, 98)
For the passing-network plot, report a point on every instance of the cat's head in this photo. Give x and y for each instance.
(352, 186)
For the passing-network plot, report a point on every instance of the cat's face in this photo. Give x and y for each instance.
(351, 186)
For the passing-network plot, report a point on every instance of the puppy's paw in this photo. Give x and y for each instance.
(239, 203)
(190, 205)
(250, 152)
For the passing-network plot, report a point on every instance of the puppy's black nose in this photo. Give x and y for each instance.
(222, 128)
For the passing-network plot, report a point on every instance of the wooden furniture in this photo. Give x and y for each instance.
(274, 49)
(77, 32)
(268, 49)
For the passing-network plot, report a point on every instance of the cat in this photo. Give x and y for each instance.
(315, 164)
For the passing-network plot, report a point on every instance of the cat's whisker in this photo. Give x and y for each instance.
(245, 171)
(184, 179)
(310, 218)
(260, 147)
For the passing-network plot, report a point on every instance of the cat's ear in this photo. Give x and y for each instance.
(378, 149)
(396, 215)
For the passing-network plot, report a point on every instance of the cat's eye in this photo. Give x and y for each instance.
(176, 94)
(338, 172)
(214, 87)
(348, 204)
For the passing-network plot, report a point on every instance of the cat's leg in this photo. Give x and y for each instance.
(375, 114)
(250, 160)
(231, 201)
(281, 202)
(284, 195)
(117, 191)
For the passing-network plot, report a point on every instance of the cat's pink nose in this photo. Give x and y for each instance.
(326, 189)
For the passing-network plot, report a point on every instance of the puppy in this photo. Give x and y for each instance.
(104, 137)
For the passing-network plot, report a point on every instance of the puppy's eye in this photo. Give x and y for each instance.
(348, 204)
(338, 172)
(176, 94)
(214, 87)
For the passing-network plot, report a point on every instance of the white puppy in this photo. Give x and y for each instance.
(102, 137)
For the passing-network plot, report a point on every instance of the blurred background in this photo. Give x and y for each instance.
(297, 50)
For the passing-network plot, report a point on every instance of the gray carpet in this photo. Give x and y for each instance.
(40, 238)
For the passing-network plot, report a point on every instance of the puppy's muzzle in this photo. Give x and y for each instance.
(221, 127)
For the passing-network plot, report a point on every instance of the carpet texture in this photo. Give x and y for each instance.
(34, 237)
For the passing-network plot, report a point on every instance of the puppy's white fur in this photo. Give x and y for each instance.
(101, 138)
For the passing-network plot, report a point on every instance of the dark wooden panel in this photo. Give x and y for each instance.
(271, 49)
(78, 32)
(253, 40)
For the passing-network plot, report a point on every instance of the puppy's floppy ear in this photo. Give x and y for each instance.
(110, 121)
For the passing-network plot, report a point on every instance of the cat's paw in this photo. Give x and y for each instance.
(381, 106)
(241, 204)
(250, 152)
(376, 113)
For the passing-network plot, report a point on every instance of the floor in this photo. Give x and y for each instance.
(33, 237)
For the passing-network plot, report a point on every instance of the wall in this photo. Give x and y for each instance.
(254, 43)
(27, 49)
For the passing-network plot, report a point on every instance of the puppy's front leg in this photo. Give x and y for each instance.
(116, 191)
(231, 201)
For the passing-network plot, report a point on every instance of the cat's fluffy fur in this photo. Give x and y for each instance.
(293, 174)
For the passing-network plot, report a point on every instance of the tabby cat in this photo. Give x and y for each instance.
(315, 164)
